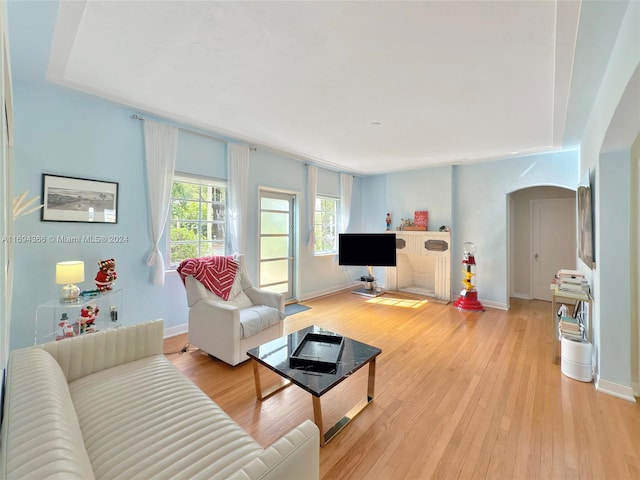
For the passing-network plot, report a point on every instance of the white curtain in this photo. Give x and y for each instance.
(346, 187)
(160, 145)
(312, 193)
(238, 171)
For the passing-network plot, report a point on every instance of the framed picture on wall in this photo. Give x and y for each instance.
(71, 199)
(584, 201)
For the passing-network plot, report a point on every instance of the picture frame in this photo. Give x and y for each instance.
(73, 199)
(584, 201)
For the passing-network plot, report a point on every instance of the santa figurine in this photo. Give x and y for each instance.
(87, 319)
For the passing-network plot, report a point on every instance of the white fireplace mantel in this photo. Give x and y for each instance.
(423, 264)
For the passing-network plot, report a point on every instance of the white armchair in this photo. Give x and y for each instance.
(226, 329)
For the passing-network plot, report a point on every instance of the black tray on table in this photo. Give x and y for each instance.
(317, 352)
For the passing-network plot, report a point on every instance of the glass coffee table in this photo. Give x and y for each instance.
(275, 356)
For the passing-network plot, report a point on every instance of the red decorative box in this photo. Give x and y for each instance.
(421, 218)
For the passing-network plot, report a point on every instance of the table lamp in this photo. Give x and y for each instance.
(68, 273)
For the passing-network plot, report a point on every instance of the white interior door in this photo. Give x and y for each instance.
(276, 242)
(553, 230)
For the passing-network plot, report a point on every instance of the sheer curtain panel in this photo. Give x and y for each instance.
(238, 168)
(312, 193)
(346, 187)
(160, 146)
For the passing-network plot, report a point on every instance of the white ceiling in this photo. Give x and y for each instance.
(365, 87)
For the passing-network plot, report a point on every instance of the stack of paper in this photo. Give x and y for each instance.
(572, 281)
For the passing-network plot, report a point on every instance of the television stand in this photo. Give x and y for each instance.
(368, 292)
(369, 289)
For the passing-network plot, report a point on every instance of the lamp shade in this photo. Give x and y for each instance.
(69, 272)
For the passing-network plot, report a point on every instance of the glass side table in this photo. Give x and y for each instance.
(56, 319)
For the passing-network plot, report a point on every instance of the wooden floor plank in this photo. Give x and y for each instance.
(458, 395)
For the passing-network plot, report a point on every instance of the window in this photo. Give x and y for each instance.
(197, 219)
(326, 225)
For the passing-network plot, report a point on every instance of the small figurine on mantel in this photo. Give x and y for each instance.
(388, 221)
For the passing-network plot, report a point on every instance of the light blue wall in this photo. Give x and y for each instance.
(613, 262)
(480, 212)
(428, 189)
(472, 199)
(66, 133)
(614, 365)
(59, 131)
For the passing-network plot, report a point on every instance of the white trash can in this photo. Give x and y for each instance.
(575, 359)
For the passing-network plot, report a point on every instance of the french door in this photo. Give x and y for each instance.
(276, 242)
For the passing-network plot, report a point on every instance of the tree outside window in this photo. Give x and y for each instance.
(326, 225)
(197, 219)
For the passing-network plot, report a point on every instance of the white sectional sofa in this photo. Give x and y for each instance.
(110, 406)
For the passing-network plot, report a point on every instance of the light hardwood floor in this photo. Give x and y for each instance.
(458, 395)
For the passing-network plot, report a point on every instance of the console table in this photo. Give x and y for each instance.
(49, 315)
(555, 334)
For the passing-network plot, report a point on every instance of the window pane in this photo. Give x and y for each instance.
(274, 272)
(185, 210)
(213, 193)
(197, 220)
(213, 211)
(212, 231)
(278, 288)
(185, 191)
(274, 223)
(184, 231)
(274, 247)
(182, 251)
(211, 248)
(274, 204)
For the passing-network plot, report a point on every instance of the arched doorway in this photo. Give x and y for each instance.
(542, 239)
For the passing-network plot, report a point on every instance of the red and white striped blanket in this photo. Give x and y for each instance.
(216, 273)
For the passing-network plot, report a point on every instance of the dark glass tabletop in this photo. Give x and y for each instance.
(275, 356)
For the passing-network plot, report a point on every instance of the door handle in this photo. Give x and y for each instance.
(536, 257)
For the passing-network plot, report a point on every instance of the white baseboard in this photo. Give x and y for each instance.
(177, 330)
(327, 291)
(497, 305)
(523, 296)
(615, 390)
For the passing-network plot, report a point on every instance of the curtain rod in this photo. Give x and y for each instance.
(253, 148)
(329, 169)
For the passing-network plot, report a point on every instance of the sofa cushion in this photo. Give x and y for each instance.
(41, 436)
(145, 418)
(257, 318)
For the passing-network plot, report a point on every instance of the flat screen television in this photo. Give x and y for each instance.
(367, 249)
